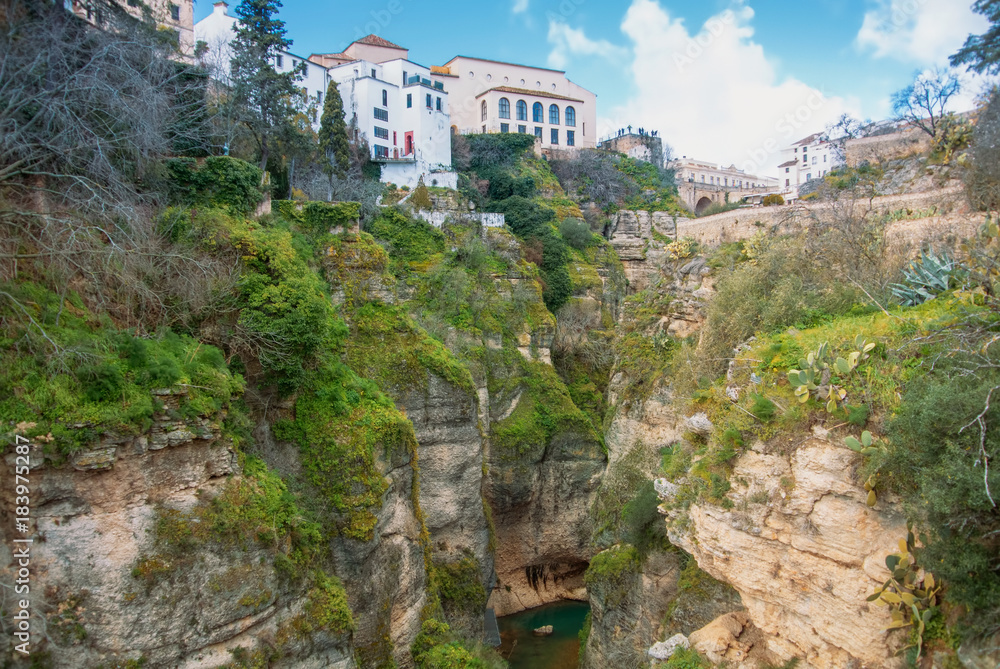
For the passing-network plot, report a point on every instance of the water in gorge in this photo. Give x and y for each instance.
(559, 650)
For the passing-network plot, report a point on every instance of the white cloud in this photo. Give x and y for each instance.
(520, 6)
(567, 42)
(923, 32)
(713, 94)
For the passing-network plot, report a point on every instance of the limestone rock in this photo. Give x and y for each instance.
(664, 650)
(545, 630)
(734, 640)
(102, 458)
(803, 565)
(699, 423)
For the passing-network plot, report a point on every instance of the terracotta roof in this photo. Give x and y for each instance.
(790, 163)
(501, 62)
(375, 40)
(809, 140)
(526, 91)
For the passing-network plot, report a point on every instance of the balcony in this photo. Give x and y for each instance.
(417, 80)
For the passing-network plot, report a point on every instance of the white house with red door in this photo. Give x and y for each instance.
(398, 109)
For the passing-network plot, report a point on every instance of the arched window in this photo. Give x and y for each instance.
(484, 110)
(570, 117)
(538, 112)
(554, 114)
(504, 108)
(522, 110)
(385, 98)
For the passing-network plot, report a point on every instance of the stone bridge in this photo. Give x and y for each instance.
(698, 196)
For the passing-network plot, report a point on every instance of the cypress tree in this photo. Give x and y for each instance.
(333, 142)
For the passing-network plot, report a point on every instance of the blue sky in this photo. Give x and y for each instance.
(723, 80)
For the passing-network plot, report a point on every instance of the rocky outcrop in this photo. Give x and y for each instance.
(625, 618)
(96, 517)
(733, 640)
(642, 254)
(804, 551)
(540, 510)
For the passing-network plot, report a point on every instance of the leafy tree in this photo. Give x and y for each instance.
(981, 53)
(923, 102)
(982, 180)
(265, 94)
(333, 142)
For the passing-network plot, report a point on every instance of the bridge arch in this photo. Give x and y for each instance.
(703, 204)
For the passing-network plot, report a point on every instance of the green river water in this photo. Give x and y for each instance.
(524, 650)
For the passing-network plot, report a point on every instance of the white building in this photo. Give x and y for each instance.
(403, 115)
(808, 158)
(216, 31)
(391, 101)
(173, 16)
(703, 172)
(491, 96)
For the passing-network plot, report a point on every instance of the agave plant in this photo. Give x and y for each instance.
(924, 279)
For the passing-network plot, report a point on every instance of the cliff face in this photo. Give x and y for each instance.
(104, 587)
(804, 551)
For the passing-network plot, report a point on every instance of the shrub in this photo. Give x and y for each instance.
(420, 200)
(220, 181)
(323, 217)
(497, 150)
(937, 466)
(643, 525)
(576, 233)
(773, 200)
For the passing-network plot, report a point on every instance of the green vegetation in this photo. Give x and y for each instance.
(218, 181)
(254, 511)
(460, 585)
(612, 573)
(95, 378)
(436, 648)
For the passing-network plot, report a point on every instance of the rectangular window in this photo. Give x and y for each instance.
(175, 12)
(428, 100)
(809, 176)
(404, 77)
(381, 151)
(824, 157)
(505, 127)
(439, 104)
(409, 100)
(381, 133)
(787, 183)
(787, 169)
(381, 114)
(538, 133)
(815, 160)
(523, 129)
(373, 74)
(555, 136)
(279, 60)
(319, 96)
(570, 138)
